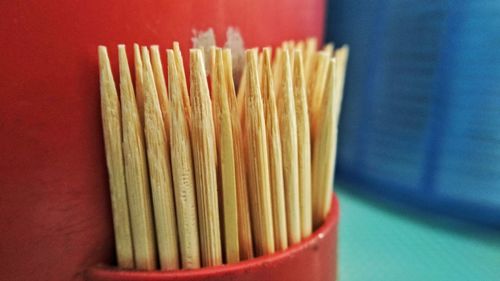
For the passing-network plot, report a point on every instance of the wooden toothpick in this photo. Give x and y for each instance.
(181, 74)
(316, 88)
(159, 166)
(341, 58)
(110, 112)
(328, 49)
(304, 145)
(182, 170)
(202, 176)
(277, 70)
(136, 172)
(204, 159)
(139, 96)
(324, 151)
(225, 149)
(301, 46)
(311, 46)
(244, 229)
(258, 167)
(289, 146)
(159, 81)
(240, 98)
(274, 151)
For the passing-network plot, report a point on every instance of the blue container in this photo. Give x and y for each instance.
(420, 120)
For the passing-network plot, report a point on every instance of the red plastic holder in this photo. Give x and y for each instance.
(55, 211)
(314, 259)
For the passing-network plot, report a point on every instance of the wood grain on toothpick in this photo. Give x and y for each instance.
(182, 170)
(159, 167)
(136, 172)
(227, 165)
(289, 146)
(201, 176)
(258, 166)
(274, 152)
(316, 88)
(324, 150)
(277, 68)
(204, 159)
(311, 46)
(181, 73)
(110, 112)
(304, 145)
(159, 81)
(139, 96)
(240, 98)
(244, 226)
(341, 58)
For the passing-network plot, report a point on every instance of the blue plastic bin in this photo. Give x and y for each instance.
(420, 121)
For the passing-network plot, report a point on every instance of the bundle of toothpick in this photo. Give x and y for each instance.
(203, 171)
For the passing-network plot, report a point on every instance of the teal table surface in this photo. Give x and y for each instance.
(380, 241)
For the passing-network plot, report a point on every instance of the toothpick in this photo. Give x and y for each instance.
(329, 48)
(225, 149)
(290, 47)
(289, 146)
(341, 55)
(277, 70)
(240, 98)
(304, 145)
(159, 168)
(275, 158)
(258, 166)
(204, 157)
(139, 96)
(182, 75)
(244, 227)
(282, 161)
(310, 48)
(324, 151)
(301, 46)
(182, 170)
(316, 89)
(211, 72)
(159, 80)
(136, 172)
(240, 107)
(261, 64)
(110, 111)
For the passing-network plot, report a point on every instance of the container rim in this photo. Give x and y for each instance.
(106, 272)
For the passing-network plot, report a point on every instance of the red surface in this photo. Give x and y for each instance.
(315, 259)
(54, 203)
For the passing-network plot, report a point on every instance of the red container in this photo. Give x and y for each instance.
(314, 259)
(54, 205)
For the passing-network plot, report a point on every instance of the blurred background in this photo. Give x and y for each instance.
(418, 169)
